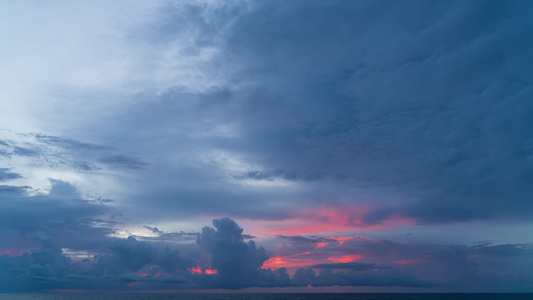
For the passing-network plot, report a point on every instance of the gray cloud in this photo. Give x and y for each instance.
(6, 175)
(282, 174)
(406, 115)
(238, 263)
(62, 216)
(354, 266)
(305, 240)
(122, 161)
(10, 189)
(54, 151)
(402, 109)
(25, 151)
(136, 265)
(356, 278)
(383, 96)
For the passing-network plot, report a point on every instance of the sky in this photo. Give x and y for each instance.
(266, 146)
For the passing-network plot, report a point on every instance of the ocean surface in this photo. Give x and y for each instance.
(265, 296)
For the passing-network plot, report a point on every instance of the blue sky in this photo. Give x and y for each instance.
(266, 146)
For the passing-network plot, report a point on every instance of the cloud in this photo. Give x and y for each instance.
(274, 174)
(58, 152)
(10, 189)
(384, 262)
(238, 263)
(130, 264)
(399, 109)
(304, 239)
(130, 255)
(337, 115)
(60, 215)
(356, 278)
(121, 161)
(354, 266)
(90, 168)
(25, 151)
(6, 175)
(368, 99)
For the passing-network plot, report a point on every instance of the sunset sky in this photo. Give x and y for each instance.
(266, 146)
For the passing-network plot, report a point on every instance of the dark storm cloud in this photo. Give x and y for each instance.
(429, 101)
(413, 100)
(238, 263)
(420, 108)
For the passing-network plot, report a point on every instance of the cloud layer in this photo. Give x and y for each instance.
(313, 124)
(222, 259)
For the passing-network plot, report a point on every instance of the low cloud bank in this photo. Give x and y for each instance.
(222, 259)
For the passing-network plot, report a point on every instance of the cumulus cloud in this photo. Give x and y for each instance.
(232, 263)
(346, 113)
(238, 263)
(130, 255)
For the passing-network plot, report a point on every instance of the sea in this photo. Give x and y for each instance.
(263, 296)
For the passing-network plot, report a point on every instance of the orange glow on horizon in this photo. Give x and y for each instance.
(274, 262)
(324, 220)
(345, 258)
(290, 261)
(341, 239)
(199, 270)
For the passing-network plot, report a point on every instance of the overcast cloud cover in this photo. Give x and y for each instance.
(266, 145)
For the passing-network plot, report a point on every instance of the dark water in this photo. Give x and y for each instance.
(266, 296)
